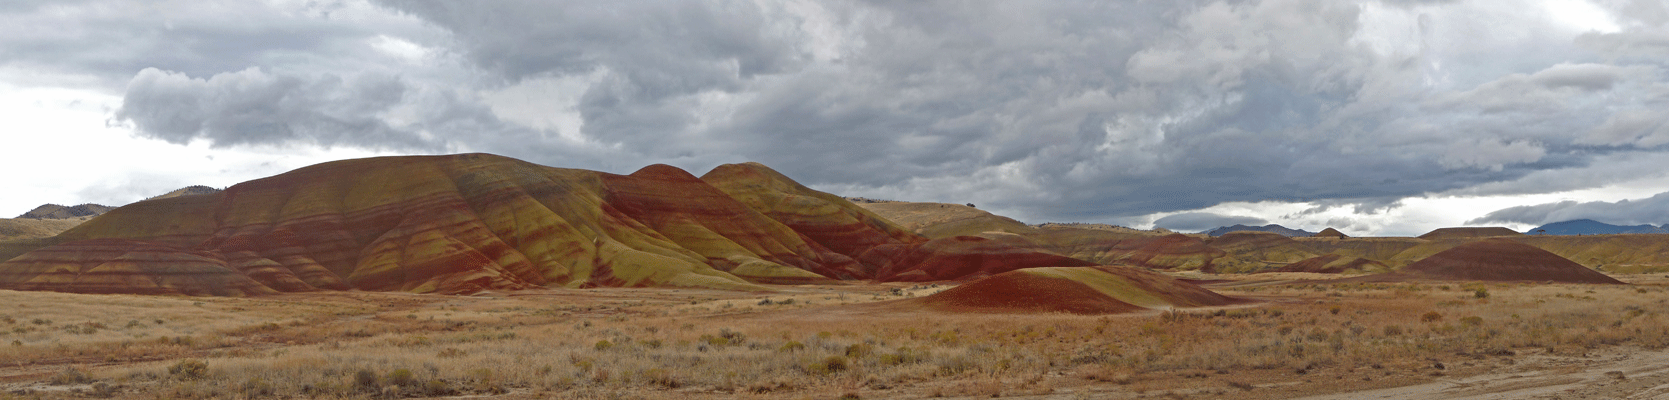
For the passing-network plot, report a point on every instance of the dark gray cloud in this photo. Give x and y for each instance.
(1650, 211)
(1054, 111)
(254, 107)
(113, 40)
(1193, 222)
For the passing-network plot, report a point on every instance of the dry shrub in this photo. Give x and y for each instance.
(189, 369)
(402, 377)
(661, 377)
(828, 365)
(792, 346)
(70, 376)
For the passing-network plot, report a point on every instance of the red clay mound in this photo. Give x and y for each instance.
(1332, 264)
(1467, 233)
(1503, 260)
(1078, 290)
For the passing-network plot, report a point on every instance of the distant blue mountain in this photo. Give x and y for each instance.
(1284, 231)
(1592, 227)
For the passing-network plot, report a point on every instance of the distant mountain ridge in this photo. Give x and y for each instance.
(1592, 227)
(55, 211)
(1274, 228)
(52, 219)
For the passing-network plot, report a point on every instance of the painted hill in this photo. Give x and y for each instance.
(1592, 227)
(1330, 233)
(1272, 228)
(1503, 260)
(1078, 290)
(471, 222)
(1468, 233)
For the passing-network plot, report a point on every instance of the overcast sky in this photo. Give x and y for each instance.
(1373, 117)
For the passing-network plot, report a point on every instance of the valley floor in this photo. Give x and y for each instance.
(1415, 340)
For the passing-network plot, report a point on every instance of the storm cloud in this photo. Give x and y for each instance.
(1064, 111)
(251, 106)
(1648, 211)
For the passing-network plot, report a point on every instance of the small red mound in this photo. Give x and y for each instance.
(1078, 290)
(1504, 260)
(1019, 292)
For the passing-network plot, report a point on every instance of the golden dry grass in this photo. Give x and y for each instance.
(24, 228)
(804, 342)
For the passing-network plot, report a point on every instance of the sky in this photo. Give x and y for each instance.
(1383, 118)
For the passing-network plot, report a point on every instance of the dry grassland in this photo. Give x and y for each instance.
(815, 342)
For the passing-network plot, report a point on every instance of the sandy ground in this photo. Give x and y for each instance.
(1618, 374)
(1525, 373)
